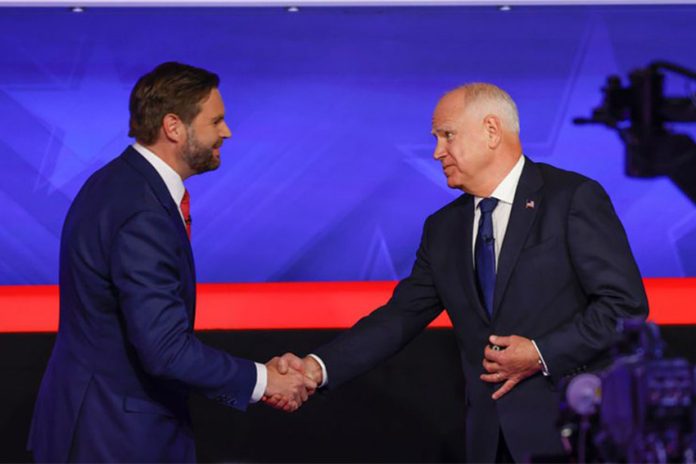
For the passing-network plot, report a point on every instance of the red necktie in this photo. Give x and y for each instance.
(186, 212)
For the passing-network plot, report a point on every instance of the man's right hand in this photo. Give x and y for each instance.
(287, 386)
(307, 365)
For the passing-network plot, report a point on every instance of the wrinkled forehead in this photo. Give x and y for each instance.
(451, 108)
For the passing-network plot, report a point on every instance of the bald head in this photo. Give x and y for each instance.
(481, 99)
(477, 132)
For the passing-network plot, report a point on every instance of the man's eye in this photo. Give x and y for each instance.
(449, 135)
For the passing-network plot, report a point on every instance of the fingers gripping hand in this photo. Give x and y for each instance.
(312, 369)
(288, 388)
(276, 401)
(514, 360)
(290, 360)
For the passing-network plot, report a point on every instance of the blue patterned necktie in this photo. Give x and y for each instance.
(485, 253)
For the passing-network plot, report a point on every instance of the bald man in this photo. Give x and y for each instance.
(533, 267)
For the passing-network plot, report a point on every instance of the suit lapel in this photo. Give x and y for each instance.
(524, 210)
(158, 186)
(464, 253)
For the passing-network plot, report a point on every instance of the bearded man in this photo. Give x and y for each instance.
(125, 356)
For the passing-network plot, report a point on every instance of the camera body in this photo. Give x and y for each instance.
(640, 409)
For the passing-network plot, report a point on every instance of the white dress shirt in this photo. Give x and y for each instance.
(505, 193)
(176, 189)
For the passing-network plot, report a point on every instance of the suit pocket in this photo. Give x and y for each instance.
(143, 406)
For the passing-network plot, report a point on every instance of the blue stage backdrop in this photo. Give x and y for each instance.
(329, 174)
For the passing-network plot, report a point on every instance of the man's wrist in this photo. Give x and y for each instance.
(261, 383)
(322, 368)
(542, 364)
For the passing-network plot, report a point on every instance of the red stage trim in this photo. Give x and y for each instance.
(307, 305)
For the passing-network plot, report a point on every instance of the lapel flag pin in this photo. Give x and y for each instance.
(529, 204)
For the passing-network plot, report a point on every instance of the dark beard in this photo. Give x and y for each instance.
(199, 158)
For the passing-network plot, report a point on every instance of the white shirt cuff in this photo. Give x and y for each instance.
(544, 367)
(261, 382)
(324, 374)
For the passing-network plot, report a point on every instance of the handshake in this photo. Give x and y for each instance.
(291, 381)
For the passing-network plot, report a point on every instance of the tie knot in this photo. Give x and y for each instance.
(487, 205)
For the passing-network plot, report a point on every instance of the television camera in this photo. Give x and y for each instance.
(640, 113)
(639, 409)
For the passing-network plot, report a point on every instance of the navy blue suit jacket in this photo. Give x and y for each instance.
(565, 275)
(125, 356)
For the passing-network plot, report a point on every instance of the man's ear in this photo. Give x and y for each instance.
(493, 129)
(173, 127)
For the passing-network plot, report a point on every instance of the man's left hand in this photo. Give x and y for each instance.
(513, 361)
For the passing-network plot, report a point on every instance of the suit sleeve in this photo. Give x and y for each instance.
(145, 264)
(608, 276)
(376, 337)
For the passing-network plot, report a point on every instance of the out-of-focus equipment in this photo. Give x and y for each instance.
(639, 113)
(640, 409)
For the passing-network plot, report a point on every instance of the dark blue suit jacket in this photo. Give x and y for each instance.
(125, 356)
(565, 275)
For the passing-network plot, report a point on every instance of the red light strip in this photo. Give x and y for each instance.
(306, 305)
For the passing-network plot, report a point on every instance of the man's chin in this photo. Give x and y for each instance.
(452, 182)
(211, 164)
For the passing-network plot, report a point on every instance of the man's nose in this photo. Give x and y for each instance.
(225, 131)
(439, 150)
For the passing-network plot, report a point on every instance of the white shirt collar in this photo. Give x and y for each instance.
(170, 177)
(505, 191)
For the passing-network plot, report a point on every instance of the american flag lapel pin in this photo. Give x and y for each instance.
(529, 204)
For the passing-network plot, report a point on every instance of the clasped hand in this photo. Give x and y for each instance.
(513, 361)
(291, 381)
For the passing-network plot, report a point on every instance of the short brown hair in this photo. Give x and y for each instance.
(169, 88)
